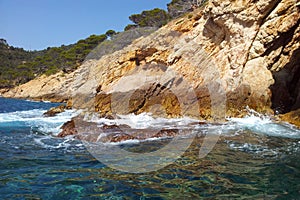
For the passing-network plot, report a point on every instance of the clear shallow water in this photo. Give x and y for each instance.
(254, 158)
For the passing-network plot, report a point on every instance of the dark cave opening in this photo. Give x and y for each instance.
(286, 89)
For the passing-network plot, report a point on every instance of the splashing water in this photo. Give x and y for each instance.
(255, 158)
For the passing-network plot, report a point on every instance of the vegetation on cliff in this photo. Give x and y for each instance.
(10, 60)
(158, 17)
(149, 18)
(177, 8)
(248, 54)
(18, 66)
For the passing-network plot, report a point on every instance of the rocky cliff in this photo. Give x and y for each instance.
(212, 62)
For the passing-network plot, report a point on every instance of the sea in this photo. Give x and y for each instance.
(255, 157)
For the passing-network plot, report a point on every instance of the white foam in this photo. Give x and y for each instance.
(132, 141)
(251, 120)
(36, 120)
(21, 115)
(96, 119)
(46, 101)
(52, 124)
(129, 141)
(141, 121)
(30, 100)
(49, 142)
(144, 121)
(252, 148)
(265, 125)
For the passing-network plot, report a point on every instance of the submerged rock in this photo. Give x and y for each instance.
(119, 137)
(104, 133)
(77, 126)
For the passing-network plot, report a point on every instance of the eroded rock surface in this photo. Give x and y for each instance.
(211, 63)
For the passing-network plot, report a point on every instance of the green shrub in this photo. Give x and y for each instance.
(152, 18)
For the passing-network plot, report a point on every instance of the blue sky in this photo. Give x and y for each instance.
(38, 24)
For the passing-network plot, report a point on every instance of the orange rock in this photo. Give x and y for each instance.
(232, 54)
(292, 117)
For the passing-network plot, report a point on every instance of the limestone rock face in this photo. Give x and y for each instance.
(68, 128)
(211, 63)
(179, 7)
(55, 110)
(53, 88)
(292, 117)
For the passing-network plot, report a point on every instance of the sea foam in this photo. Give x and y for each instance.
(36, 120)
(144, 121)
(262, 124)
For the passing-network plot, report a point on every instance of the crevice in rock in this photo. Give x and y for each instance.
(214, 31)
(140, 106)
(272, 8)
(282, 41)
(285, 90)
(141, 54)
(261, 22)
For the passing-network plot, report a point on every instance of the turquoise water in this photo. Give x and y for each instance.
(254, 158)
